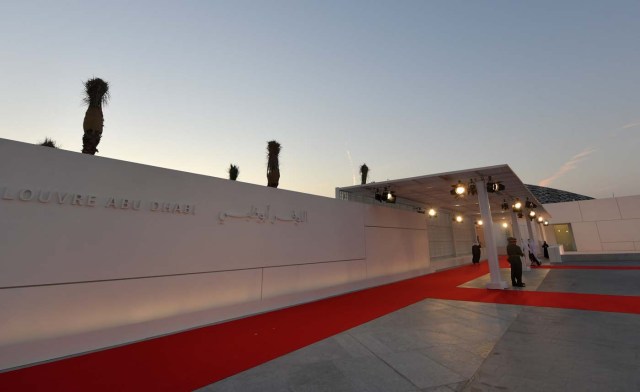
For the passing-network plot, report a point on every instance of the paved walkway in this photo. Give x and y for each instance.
(444, 345)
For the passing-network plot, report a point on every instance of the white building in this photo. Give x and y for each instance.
(592, 228)
(96, 252)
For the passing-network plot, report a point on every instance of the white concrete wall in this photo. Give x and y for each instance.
(93, 265)
(600, 225)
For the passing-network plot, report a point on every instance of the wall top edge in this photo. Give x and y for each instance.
(14, 144)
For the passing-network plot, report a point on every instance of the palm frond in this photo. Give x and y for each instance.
(233, 172)
(96, 92)
(48, 143)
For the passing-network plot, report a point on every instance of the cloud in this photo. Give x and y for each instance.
(615, 132)
(568, 166)
(353, 173)
(631, 125)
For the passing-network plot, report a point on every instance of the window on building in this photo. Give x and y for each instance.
(564, 236)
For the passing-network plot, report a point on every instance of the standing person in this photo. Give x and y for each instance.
(475, 252)
(532, 255)
(513, 256)
(545, 248)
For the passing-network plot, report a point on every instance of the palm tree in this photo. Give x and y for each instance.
(364, 171)
(48, 143)
(273, 166)
(96, 94)
(233, 172)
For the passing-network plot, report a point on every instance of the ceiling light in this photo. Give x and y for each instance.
(517, 205)
(432, 212)
(458, 189)
(495, 186)
(391, 197)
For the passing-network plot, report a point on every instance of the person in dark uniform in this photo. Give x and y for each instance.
(475, 252)
(532, 256)
(514, 252)
(545, 247)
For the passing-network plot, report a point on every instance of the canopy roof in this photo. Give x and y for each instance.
(434, 190)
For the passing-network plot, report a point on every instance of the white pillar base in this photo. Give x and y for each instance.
(555, 253)
(501, 285)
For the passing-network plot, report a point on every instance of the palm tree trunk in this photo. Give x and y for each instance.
(96, 94)
(92, 124)
(273, 163)
(273, 178)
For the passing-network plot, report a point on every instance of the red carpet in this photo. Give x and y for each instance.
(192, 359)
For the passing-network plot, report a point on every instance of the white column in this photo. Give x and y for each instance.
(541, 232)
(518, 236)
(537, 234)
(535, 242)
(490, 242)
(534, 233)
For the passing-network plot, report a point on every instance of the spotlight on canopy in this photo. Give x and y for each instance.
(471, 188)
(458, 190)
(391, 197)
(517, 205)
(496, 186)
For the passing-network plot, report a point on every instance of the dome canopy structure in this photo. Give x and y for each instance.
(550, 195)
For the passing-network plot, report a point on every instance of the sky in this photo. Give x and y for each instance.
(410, 88)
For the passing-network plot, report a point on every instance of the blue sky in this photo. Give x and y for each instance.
(409, 87)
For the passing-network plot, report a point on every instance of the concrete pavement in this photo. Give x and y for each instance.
(444, 345)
